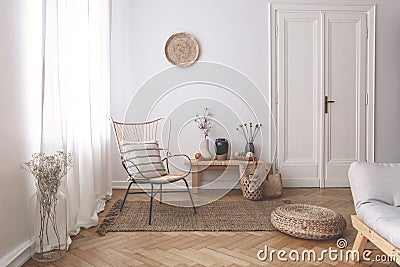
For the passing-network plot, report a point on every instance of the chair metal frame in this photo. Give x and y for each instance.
(147, 131)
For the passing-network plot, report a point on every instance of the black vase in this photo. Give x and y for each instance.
(221, 145)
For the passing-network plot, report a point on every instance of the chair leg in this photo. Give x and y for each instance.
(160, 193)
(126, 194)
(190, 195)
(151, 204)
(359, 244)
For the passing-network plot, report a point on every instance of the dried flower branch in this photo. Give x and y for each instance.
(48, 171)
(203, 122)
(249, 132)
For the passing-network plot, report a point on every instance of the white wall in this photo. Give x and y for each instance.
(225, 35)
(387, 82)
(19, 114)
(234, 33)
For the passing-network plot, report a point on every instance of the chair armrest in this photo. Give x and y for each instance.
(126, 168)
(169, 155)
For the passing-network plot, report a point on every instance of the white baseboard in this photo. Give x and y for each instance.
(125, 184)
(120, 184)
(302, 182)
(18, 256)
(288, 183)
(215, 185)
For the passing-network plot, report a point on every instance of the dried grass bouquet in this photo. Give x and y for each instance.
(48, 171)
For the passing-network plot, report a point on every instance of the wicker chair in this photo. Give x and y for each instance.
(140, 133)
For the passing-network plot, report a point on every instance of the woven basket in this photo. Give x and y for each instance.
(308, 222)
(248, 188)
(245, 182)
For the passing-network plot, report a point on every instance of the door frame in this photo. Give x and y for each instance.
(370, 10)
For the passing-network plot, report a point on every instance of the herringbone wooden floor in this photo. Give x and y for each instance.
(206, 248)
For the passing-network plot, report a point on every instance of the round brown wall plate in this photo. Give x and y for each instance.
(182, 49)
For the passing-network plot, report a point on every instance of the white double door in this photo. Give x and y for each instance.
(321, 95)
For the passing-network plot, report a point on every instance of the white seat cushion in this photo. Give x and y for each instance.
(376, 193)
(383, 219)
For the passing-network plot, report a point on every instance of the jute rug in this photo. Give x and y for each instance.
(237, 216)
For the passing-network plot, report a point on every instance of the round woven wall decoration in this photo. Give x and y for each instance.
(182, 49)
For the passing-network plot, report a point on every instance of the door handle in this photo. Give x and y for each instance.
(326, 103)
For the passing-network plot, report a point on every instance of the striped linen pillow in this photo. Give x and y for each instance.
(146, 156)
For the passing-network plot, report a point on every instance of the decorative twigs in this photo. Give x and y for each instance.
(248, 131)
(241, 131)
(256, 130)
(251, 130)
(203, 122)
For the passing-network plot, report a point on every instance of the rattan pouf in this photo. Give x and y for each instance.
(308, 222)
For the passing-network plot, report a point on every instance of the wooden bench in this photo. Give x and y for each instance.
(199, 166)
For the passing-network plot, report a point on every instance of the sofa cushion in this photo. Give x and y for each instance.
(383, 219)
(376, 194)
(375, 181)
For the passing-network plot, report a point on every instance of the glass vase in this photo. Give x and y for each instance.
(49, 228)
(249, 147)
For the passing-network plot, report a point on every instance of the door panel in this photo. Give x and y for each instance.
(345, 81)
(322, 51)
(298, 90)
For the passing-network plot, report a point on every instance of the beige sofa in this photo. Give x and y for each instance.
(376, 193)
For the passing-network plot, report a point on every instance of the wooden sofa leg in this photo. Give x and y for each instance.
(360, 243)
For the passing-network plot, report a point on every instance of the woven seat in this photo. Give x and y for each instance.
(168, 178)
(308, 222)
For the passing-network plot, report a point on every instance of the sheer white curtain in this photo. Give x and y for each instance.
(76, 100)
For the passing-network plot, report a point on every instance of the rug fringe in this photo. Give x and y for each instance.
(110, 218)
